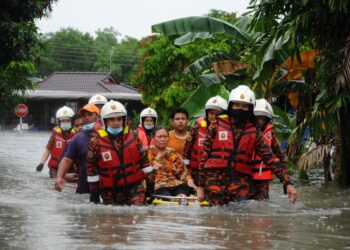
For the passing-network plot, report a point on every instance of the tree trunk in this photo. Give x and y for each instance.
(342, 171)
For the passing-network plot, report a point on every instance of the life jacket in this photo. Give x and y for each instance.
(225, 154)
(197, 149)
(114, 171)
(260, 170)
(59, 146)
(141, 134)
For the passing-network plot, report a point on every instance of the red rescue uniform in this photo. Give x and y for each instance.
(144, 137)
(59, 146)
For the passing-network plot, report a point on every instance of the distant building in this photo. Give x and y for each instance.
(74, 89)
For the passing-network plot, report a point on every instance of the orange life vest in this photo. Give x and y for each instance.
(197, 149)
(114, 171)
(225, 154)
(141, 134)
(59, 146)
(260, 170)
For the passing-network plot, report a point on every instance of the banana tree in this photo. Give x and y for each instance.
(326, 25)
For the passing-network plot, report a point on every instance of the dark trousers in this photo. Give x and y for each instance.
(174, 191)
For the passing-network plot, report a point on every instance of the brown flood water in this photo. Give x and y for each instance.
(34, 216)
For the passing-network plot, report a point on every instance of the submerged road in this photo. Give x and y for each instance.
(34, 216)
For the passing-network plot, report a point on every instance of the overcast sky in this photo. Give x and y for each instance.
(129, 17)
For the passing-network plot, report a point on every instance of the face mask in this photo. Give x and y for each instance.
(114, 131)
(149, 127)
(240, 116)
(65, 126)
(89, 126)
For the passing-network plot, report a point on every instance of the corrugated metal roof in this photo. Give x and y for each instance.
(89, 82)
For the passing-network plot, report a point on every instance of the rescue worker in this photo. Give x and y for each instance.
(194, 144)
(148, 119)
(261, 173)
(61, 136)
(77, 151)
(98, 100)
(167, 171)
(177, 137)
(116, 159)
(231, 142)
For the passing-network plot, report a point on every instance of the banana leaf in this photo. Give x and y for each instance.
(283, 87)
(191, 37)
(196, 102)
(206, 61)
(202, 24)
(210, 79)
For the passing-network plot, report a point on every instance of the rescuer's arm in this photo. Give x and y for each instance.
(189, 145)
(265, 152)
(93, 176)
(207, 146)
(63, 168)
(46, 153)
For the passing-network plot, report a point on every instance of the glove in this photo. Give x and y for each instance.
(40, 167)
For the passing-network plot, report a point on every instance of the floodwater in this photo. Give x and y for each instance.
(34, 216)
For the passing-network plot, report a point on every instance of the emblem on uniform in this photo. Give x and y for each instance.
(64, 112)
(189, 138)
(200, 142)
(242, 96)
(59, 144)
(149, 111)
(214, 101)
(268, 136)
(113, 107)
(266, 107)
(223, 135)
(98, 98)
(107, 156)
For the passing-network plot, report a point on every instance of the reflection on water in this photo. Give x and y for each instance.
(34, 216)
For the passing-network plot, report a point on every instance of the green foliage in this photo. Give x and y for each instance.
(72, 50)
(14, 80)
(160, 76)
(19, 43)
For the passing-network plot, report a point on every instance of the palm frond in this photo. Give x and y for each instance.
(313, 157)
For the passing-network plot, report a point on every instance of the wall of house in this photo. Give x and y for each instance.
(42, 112)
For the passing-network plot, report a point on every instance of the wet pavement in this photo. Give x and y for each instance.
(34, 216)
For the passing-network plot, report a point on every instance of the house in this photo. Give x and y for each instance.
(74, 89)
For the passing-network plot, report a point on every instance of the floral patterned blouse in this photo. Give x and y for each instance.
(169, 169)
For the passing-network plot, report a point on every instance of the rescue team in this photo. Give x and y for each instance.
(230, 154)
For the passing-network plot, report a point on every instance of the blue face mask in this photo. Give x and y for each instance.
(89, 126)
(114, 131)
(65, 126)
(149, 127)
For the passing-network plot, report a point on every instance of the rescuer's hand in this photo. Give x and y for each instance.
(59, 184)
(40, 167)
(200, 193)
(71, 177)
(292, 193)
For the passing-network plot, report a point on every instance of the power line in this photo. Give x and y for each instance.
(72, 60)
(70, 57)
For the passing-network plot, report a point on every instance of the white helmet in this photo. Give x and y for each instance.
(64, 113)
(242, 94)
(263, 108)
(148, 112)
(217, 103)
(98, 99)
(112, 109)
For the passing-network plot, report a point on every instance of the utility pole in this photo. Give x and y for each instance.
(110, 61)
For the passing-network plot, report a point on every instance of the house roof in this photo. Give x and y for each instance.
(73, 85)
